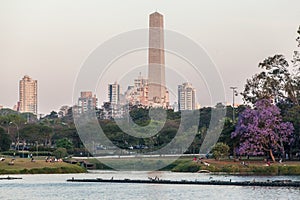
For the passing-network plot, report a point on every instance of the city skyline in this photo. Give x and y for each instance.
(237, 36)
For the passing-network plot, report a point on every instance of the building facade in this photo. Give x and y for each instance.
(137, 94)
(87, 101)
(114, 93)
(28, 95)
(141, 90)
(186, 97)
(157, 95)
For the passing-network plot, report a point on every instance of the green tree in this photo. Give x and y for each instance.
(225, 136)
(292, 114)
(140, 116)
(8, 115)
(64, 143)
(279, 80)
(5, 140)
(36, 132)
(276, 80)
(60, 153)
(220, 150)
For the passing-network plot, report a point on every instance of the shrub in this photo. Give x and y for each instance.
(60, 153)
(186, 167)
(220, 150)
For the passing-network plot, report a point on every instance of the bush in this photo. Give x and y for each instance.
(65, 143)
(60, 153)
(293, 170)
(220, 150)
(41, 148)
(230, 169)
(186, 167)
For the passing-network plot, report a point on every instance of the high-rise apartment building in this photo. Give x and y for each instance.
(28, 95)
(141, 90)
(186, 97)
(129, 96)
(137, 94)
(114, 93)
(87, 101)
(157, 95)
(113, 108)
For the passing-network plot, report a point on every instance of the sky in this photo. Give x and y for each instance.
(49, 40)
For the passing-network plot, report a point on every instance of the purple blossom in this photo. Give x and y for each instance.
(261, 129)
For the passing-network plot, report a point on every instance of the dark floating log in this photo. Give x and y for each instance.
(9, 178)
(276, 183)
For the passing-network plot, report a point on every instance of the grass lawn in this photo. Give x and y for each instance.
(138, 164)
(186, 164)
(249, 167)
(25, 166)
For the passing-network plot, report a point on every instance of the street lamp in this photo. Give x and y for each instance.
(18, 139)
(37, 148)
(234, 93)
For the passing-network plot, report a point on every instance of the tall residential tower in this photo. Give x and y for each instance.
(87, 101)
(186, 97)
(158, 94)
(114, 93)
(28, 95)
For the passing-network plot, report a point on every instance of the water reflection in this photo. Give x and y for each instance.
(54, 186)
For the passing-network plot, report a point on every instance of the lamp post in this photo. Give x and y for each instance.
(37, 148)
(18, 139)
(234, 93)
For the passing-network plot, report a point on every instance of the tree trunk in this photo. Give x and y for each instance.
(234, 153)
(271, 155)
(283, 151)
(49, 142)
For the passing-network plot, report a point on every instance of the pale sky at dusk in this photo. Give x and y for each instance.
(50, 39)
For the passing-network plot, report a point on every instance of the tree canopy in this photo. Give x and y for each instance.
(5, 140)
(261, 130)
(220, 150)
(279, 79)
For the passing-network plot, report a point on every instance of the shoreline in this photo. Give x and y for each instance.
(276, 183)
(211, 166)
(244, 168)
(218, 167)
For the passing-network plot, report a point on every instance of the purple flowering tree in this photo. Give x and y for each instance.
(261, 131)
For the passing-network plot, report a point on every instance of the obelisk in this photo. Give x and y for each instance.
(157, 93)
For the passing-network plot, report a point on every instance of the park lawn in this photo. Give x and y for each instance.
(138, 164)
(25, 166)
(252, 167)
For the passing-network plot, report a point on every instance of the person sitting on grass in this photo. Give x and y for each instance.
(244, 163)
(11, 162)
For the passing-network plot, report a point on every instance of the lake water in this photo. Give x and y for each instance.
(54, 186)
